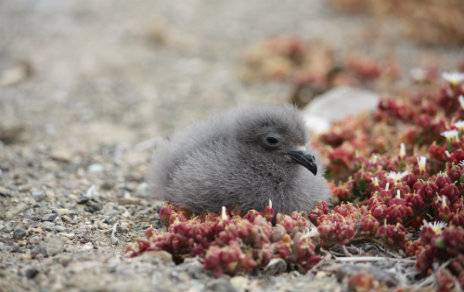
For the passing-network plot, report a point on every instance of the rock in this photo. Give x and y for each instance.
(16, 248)
(87, 246)
(31, 273)
(9, 226)
(143, 190)
(107, 185)
(68, 235)
(49, 217)
(48, 226)
(92, 205)
(240, 283)
(4, 247)
(20, 207)
(38, 195)
(220, 285)
(10, 134)
(162, 282)
(63, 155)
(91, 192)
(19, 233)
(63, 211)
(83, 200)
(156, 257)
(337, 104)
(38, 251)
(95, 168)
(275, 267)
(16, 74)
(35, 239)
(193, 267)
(5, 192)
(60, 228)
(67, 219)
(54, 245)
(65, 260)
(380, 274)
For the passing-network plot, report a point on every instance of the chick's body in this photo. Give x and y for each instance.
(232, 160)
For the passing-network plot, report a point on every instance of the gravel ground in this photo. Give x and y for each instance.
(87, 88)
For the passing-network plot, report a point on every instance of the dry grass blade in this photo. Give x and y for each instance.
(374, 259)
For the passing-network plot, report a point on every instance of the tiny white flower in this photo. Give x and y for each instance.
(422, 161)
(461, 101)
(447, 154)
(375, 181)
(270, 204)
(436, 226)
(397, 176)
(224, 213)
(453, 78)
(459, 125)
(402, 150)
(387, 186)
(461, 163)
(443, 201)
(450, 135)
(398, 194)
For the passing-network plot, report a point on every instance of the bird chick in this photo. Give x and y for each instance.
(241, 159)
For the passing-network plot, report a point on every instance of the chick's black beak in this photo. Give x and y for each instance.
(305, 159)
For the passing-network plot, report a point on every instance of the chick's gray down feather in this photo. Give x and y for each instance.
(241, 159)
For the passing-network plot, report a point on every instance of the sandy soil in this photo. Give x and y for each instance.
(87, 88)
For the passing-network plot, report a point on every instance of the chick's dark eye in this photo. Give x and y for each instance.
(272, 141)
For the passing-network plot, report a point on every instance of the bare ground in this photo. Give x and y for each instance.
(97, 84)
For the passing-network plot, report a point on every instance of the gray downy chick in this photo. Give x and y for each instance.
(241, 159)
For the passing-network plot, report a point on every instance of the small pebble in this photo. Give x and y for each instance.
(19, 233)
(220, 284)
(16, 248)
(54, 245)
(69, 235)
(31, 273)
(49, 217)
(65, 260)
(193, 267)
(60, 228)
(95, 168)
(63, 211)
(240, 283)
(38, 251)
(87, 246)
(92, 205)
(107, 185)
(61, 155)
(38, 195)
(5, 192)
(48, 226)
(275, 267)
(156, 257)
(67, 219)
(35, 239)
(142, 190)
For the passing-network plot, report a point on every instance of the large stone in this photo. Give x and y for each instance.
(337, 104)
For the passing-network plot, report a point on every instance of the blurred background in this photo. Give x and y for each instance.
(86, 72)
